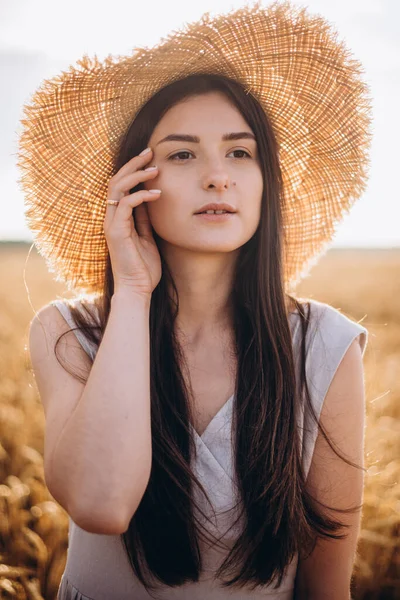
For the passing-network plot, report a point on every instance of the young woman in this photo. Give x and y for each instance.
(207, 430)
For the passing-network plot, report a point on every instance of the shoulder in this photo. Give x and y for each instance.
(340, 405)
(52, 345)
(46, 327)
(335, 344)
(330, 328)
(334, 371)
(54, 322)
(85, 306)
(340, 345)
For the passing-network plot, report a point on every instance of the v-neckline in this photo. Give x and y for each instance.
(211, 424)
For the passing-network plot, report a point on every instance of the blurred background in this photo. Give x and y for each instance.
(359, 274)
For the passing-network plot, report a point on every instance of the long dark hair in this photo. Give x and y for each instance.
(280, 516)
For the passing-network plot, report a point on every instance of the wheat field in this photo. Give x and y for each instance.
(364, 284)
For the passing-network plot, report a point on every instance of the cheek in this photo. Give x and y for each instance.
(260, 181)
(172, 191)
(174, 200)
(166, 213)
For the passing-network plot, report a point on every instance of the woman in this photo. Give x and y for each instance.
(211, 428)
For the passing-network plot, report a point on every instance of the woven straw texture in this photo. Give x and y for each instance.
(306, 80)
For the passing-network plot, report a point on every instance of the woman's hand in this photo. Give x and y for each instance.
(135, 260)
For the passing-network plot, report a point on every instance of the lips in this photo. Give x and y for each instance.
(216, 217)
(216, 206)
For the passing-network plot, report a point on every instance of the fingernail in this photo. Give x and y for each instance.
(151, 168)
(155, 191)
(145, 152)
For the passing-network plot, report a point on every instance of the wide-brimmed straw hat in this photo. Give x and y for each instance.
(292, 62)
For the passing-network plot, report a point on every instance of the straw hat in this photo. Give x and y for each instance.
(307, 82)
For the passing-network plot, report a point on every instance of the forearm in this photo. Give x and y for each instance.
(103, 457)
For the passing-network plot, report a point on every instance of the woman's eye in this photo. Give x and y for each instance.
(186, 152)
(247, 154)
(178, 154)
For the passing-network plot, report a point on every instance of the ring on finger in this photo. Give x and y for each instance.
(113, 202)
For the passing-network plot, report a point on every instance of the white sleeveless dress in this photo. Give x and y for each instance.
(98, 567)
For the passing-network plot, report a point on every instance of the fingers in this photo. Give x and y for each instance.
(142, 221)
(137, 162)
(119, 189)
(123, 212)
(116, 194)
(128, 177)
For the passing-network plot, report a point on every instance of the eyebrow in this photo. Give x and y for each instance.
(182, 137)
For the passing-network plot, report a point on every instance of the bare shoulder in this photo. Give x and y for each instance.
(46, 328)
(59, 390)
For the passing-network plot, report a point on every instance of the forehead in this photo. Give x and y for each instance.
(210, 114)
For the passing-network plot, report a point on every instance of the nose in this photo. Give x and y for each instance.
(218, 180)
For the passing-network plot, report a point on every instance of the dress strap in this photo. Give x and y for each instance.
(65, 310)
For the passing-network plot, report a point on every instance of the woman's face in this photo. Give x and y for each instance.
(193, 173)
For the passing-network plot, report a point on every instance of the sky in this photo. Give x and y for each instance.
(39, 38)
